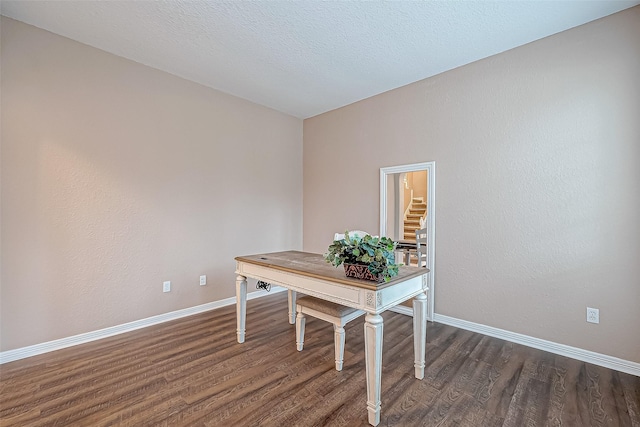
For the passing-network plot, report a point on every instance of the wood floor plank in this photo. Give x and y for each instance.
(631, 390)
(192, 372)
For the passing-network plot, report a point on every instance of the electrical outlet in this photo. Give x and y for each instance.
(203, 280)
(166, 286)
(593, 315)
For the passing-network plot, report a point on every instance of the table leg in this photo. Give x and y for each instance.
(291, 295)
(419, 333)
(241, 306)
(373, 355)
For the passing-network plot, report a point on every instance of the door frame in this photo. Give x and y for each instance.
(430, 167)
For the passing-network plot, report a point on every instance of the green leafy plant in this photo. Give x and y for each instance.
(377, 253)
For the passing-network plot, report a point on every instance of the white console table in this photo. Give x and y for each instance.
(310, 274)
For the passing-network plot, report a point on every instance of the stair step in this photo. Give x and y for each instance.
(419, 206)
(416, 211)
(411, 223)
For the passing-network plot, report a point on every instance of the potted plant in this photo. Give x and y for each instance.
(367, 257)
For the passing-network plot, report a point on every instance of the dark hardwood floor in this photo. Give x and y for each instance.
(193, 372)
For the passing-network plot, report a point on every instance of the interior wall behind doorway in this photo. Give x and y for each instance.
(416, 181)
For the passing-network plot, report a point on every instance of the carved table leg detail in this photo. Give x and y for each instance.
(373, 355)
(241, 306)
(300, 323)
(291, 296)
(419, 333)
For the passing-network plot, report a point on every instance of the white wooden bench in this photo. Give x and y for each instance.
(328, 311)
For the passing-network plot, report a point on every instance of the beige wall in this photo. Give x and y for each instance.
(537, 152)
(116, 177)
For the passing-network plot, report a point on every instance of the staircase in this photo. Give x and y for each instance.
(416, 212)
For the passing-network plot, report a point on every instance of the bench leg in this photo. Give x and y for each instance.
(339, 344)
(300, 321)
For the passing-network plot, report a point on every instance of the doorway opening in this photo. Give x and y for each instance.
(407, 204)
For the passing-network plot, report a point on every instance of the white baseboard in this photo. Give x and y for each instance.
(610, 362)
(604, 360)
(33, 350)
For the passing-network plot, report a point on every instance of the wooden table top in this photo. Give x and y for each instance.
(313, 265)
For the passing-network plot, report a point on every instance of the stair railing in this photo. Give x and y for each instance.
(423, 218)
(410, 206)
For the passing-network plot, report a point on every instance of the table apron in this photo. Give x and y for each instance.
(371, 301)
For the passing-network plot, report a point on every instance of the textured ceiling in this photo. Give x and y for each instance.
(307, 57)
